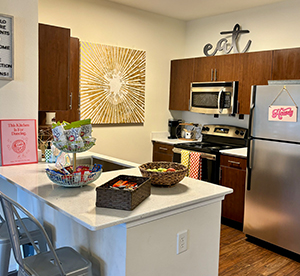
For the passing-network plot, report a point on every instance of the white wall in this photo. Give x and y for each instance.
(162, 38)
(271, 27)
(19, 97)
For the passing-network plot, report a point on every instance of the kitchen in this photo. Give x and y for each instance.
(137, 29)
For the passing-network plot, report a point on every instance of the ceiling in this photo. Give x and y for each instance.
(193, 9)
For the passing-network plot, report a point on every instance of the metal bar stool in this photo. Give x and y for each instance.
(61, 261)
(5, 245)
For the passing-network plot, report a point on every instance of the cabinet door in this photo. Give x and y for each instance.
(180, 83)
(72, 114)
(54, 56)
(216, 68)
(233, 175)
(286, 64)
(227, 67)
(204, 69)
(255, 69)
(162, 152)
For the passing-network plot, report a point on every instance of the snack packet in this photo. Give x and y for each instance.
(72, 133)
(58, 132)
(86, 128)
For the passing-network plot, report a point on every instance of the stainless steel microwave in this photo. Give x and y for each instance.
(214, 97)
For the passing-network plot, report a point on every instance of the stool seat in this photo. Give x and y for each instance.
(61, 261)
(42, 264)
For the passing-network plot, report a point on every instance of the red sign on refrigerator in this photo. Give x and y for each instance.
(18, 142)
(283, 113)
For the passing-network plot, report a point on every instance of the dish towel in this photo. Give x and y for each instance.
(195, 165)
(185, 159)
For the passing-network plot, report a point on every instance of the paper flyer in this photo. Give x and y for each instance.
(18, 142)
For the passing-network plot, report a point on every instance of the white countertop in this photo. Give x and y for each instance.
(79, 203)
(241, 152)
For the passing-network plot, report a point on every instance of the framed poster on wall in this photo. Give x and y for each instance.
(6, 47)
(112, 84)
(18, 142)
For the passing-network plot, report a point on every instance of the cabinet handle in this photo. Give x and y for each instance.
(220, 174)
(212, 74)
(161, 148)
(234, 162)
(70, 106)
(215, 78)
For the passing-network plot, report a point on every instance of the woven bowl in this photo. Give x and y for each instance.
(168, 178)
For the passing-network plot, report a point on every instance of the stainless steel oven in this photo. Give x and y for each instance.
(214, 139)
(214, 97)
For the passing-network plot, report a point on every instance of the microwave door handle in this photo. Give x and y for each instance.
(219, 101)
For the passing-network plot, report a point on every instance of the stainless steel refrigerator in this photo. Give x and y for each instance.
(272, 199)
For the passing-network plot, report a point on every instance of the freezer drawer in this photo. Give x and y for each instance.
(272, 203)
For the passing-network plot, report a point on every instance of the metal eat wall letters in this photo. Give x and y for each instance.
(223, 44)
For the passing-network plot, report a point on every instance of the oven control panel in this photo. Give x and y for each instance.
(225, 131)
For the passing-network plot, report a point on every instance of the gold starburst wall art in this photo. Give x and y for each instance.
(112, 84)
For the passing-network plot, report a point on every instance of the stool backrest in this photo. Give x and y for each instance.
(12, 211)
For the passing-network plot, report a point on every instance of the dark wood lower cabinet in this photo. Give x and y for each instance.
(233, 175)
(162, 152)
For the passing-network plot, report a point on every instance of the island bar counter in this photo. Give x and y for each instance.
(131, 243)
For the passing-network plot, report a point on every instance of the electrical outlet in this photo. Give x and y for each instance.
(181, 241)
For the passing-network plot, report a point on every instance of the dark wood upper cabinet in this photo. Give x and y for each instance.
(227, 67)
(72, 114)
(180, 82)
(254, 68)
(204, 69)
(286, 64)
(54, 65)
(216, 68)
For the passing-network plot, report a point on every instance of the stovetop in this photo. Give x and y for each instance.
(216, 138)
(204, 146)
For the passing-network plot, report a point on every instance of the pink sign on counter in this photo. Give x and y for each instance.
(18, 142)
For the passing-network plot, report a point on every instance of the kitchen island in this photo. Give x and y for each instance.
(132, 243)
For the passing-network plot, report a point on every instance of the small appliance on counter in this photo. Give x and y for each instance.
(190, 131)
(174, 129)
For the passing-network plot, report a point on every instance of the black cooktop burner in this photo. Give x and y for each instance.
(203, 146)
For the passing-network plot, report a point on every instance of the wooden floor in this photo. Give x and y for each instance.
(241, 257)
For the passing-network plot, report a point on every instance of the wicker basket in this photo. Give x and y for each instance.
(123, 199)
(168, 178)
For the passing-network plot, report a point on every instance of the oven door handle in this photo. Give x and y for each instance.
(219, 101)
(203, 154)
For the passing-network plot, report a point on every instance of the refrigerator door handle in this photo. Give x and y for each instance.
(249, 162)
(253, 94)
